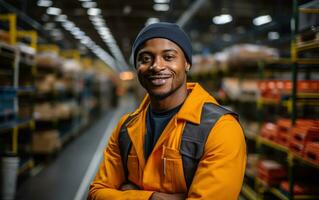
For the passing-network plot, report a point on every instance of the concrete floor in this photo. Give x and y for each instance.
(69, 175)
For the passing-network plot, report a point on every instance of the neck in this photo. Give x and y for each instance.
(171, 101)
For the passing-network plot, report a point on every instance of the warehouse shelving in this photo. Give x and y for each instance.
(17, 88)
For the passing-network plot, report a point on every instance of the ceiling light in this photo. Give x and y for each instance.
(53, 11)
(84, 0)
(61, 18)
(75, 29)
(161, 7)
(127, 9)
(94, 11)
(98, 23)
(161, 1)
(273, 35)
(222, 19)
(68, 25)
(95, 18)
(89, 4)
(151, 20)
(44, 3)
(264, 19)
(85, 40)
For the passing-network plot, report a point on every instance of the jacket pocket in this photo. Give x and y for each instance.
(133, 169)
(173, 180)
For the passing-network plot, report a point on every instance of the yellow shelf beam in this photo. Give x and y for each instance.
(278, 194)
(248, 192)
(32, 35)
(307, 45)
(12, 19)
(308, 61)
(72, 54)
(304, 160)
(309, 10)
(49, 47)
(272, 144)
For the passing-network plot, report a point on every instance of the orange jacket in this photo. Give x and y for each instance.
(220, 171)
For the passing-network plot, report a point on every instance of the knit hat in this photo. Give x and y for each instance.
(165, 30)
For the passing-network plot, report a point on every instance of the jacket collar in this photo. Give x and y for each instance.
(192, 107)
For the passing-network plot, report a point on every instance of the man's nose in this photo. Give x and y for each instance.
(158, 64)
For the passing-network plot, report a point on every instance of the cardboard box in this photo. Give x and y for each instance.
(46, 142)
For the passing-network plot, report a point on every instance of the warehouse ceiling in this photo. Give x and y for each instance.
(124, 18)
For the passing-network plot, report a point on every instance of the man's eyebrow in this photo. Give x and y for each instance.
(142, 52)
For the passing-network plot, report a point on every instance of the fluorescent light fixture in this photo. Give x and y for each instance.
(99, 23)
(161, 1)
(94, 11)
(75, 29)
(264, 19)
(53, 11)
(273, 35)
(110, 41)
(89, 4)
(68, 25)
(161, 7)
(151, 20)
(44, 3)
(84, 40)
(222, 19)
(61, 18)
(96, 18)
(84, 0)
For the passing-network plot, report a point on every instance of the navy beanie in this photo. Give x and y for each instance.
(165, 30)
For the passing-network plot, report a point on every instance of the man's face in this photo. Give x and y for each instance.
(161, 67)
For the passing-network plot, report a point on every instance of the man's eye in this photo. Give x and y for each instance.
(169, 57)
(145, 59)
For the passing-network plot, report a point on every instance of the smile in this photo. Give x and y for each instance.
(158, 80)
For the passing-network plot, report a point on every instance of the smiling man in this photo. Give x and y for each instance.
(180, 143)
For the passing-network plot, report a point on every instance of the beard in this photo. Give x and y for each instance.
(164, 95)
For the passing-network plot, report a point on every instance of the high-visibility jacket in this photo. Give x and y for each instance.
(219, 174)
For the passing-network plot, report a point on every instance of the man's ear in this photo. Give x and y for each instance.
(187, 67)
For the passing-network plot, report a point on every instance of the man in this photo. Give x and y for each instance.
(163, 128)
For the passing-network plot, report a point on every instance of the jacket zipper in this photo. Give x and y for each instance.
(164, 166)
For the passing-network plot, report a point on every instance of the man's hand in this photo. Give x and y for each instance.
(164, 196)
(129, 186)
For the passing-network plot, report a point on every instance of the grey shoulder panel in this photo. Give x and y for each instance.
(125, 144)
(195, 136)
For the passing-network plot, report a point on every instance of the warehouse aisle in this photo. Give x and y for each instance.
(69, 175)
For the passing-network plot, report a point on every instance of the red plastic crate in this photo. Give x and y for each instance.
(269, 131)
(312, 151)
(296, 147)
(270, 168)
(300, 136)
(283, 138)
(283, 134)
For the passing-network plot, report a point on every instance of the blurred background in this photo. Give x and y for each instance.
(66, 78)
